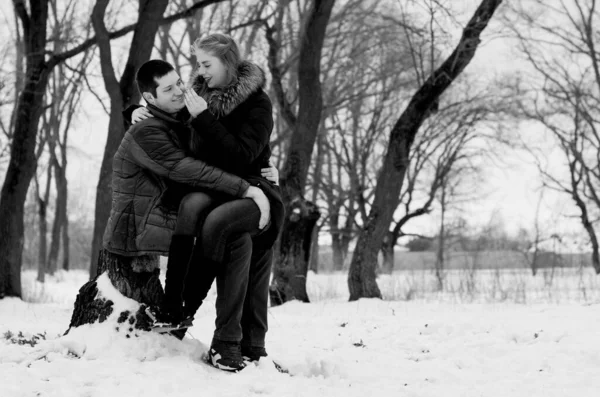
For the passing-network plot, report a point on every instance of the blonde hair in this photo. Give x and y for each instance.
(223, 47)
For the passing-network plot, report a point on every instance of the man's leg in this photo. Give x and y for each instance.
(228, 219)
(226, 239)
(256, 303)
(232, 283)
(201, 274)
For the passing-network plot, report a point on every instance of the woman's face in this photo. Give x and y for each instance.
(212, 69)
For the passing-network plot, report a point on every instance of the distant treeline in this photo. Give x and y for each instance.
(470, 244)
(472, 260)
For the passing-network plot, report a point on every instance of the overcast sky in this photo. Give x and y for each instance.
(511, 189)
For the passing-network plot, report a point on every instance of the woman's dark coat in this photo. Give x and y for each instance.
(234, 134)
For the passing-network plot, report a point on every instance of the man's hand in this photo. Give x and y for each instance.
(140, 114)
(194, 102)
(262, 202)
(271, 173)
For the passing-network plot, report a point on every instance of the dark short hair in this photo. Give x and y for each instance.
(149, 72)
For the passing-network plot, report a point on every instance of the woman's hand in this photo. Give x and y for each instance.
(271, 173)
(262, 202)
(194, 102)
(140, 114)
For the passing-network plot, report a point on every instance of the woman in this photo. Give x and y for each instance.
(232, 119)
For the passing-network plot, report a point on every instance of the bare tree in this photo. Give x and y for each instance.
(289, 276)
(43, 199)
(565, 99)
(364, 70)
(361, 278)
(22, 166)
(64, 92)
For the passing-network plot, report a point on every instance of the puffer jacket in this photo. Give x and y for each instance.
(149, 158)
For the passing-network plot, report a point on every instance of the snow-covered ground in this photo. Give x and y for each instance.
(430, 345)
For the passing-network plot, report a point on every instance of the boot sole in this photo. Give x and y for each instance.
(165, 328)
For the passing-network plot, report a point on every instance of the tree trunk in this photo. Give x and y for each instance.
(316, 183)
(361, 277)
(289, 277)
(134, 277)
(122, 94)
(43, 233)
(587, 225)
(387, 251)
(338, 255)
(314, 251)
(60, 220)
(439, 262)
(58, 227)
(66, 242)
(22, 163)
(59, 216)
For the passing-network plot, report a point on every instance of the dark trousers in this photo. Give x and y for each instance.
(254, 317)
(243, 277)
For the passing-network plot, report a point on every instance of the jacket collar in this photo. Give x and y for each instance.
(181, 117)
(222, 101)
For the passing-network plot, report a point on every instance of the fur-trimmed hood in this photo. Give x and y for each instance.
(222, 101)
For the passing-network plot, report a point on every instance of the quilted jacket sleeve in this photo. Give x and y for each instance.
(152, 149)
(246, 145)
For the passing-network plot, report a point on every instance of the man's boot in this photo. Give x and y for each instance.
(201, 275)
(170, 314)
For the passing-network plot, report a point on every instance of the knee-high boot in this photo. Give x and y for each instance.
(201, 275)
(180, 254)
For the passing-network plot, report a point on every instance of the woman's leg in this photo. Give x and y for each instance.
(228, 219)
(193, 207)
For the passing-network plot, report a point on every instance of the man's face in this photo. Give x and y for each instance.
(169, 93)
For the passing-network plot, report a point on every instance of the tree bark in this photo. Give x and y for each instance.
(361, 277)
(60, 217)
(289, 275)
(134, 277)
(122, 94)
(314, 251)
(338, 253)
(22, 163)
(66, 240)
(289, 278)
(387, 251)
(587, 225)
(43, 201)
(439, 262)
(42, 250)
